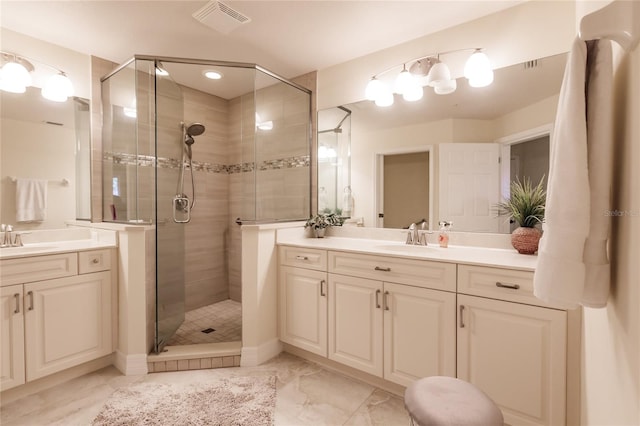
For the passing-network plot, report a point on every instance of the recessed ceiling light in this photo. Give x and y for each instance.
(212, 74)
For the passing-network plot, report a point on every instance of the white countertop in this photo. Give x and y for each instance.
(453, 254)
(39, 243)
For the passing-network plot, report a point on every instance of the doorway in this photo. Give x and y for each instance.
(404, 187)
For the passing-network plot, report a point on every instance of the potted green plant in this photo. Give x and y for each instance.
(526, 207)
(320, 222)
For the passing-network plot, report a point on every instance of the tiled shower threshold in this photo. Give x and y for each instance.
(195, 357)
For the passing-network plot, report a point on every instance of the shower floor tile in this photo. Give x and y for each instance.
(224, 317)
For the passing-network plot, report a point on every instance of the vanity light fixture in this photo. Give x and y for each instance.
(438, 75)
(15, 77)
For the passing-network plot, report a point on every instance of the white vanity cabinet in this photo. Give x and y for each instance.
(303, 308)
(398, 332)
(57, 317)
(302, 297)
(515, 352)
(12, 335)
(360, 319)
(402, 319)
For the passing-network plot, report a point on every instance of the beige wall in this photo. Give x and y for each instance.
(611, 336)
(509, 37)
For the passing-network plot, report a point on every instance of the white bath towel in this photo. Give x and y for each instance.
(31, 200)
(573, 266)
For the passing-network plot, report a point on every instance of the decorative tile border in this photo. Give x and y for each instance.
(171, 163)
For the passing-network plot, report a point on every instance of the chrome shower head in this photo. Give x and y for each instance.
(195, 129)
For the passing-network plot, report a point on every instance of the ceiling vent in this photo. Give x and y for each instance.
(530, 64)
(220, 17)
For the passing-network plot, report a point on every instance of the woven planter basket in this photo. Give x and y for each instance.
(526, 240)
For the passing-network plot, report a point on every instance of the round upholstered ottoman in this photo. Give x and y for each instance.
(440, 401)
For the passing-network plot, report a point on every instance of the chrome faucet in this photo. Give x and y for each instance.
(6, 237)
(417, 237)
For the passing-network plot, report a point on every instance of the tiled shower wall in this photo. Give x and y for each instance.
(226, 178)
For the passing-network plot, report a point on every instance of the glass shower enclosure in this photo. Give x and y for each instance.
(194, 157)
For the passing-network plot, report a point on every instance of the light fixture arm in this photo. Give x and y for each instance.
(26, 61)
(431, 55)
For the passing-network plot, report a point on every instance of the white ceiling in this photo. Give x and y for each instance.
(288, 37)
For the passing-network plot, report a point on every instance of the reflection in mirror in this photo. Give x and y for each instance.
(517, 109)
(46, 140)
(334, 161)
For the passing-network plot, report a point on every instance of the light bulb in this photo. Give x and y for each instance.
(14, 78)
(478, 68)
(414, 93)
(438, 74)
(446, 87)
(58, 88)
(373, 90)
(385, 98)
(404, 81)
(481, 80)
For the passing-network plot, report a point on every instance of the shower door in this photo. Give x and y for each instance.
(170, 235)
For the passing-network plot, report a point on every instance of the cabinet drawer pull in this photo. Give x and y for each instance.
(322, 292)
(461, 316)
(386, 300)
(30, 294)
(17, 310)
(302, 258)
(378, 299)
(511, 286)
(377, 268)
(95, 261)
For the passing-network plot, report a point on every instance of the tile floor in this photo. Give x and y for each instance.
(224, 317)
(306, 394)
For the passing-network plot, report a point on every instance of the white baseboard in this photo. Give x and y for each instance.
(131, 365)
(256, 355)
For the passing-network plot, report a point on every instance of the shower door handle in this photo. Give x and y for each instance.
(181, 205)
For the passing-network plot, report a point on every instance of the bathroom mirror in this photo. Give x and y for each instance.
(519, 107)
(334, 161)
(42, 139)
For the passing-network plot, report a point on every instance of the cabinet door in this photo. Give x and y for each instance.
(355, 323)
(67, 322)
(517, 355)
(303, 308)
(419, 333)
(12, 335)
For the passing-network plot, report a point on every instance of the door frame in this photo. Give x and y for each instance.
(378, 182)
(505, 156)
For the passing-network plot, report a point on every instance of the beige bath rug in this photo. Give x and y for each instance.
(223, 401)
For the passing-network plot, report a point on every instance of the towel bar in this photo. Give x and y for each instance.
(63, 181)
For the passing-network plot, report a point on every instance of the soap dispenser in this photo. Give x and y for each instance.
(443, 236)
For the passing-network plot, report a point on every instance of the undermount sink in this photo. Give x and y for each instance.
(17, 251)
(404, 248)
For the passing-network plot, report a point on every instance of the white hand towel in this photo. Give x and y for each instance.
(572, 261)
(31, 200)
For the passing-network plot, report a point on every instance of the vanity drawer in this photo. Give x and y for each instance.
(303, 258)
(419, 273)
(94, 261)
(38, 268)
(497, 283)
